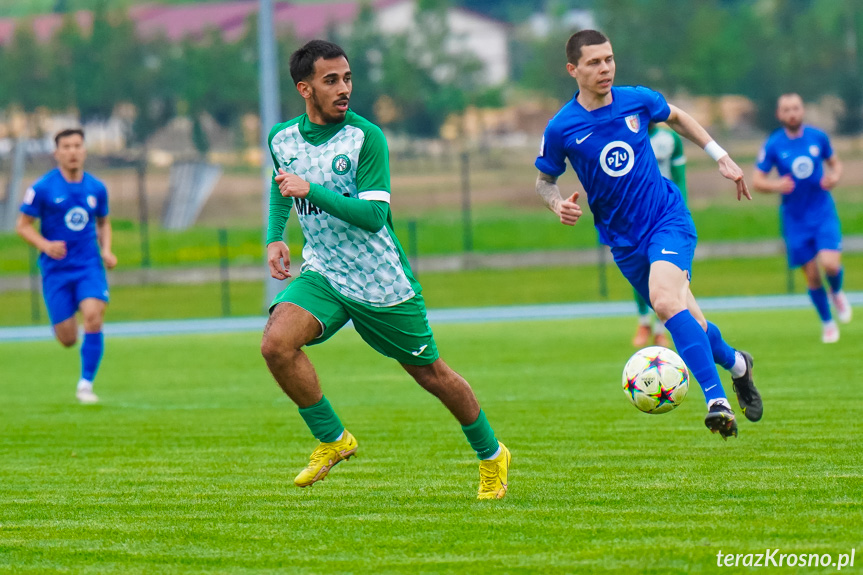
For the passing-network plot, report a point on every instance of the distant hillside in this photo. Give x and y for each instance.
(18, 8)
(501, 9)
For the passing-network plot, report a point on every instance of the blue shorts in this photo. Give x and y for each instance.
(670, 241)
(64, 291)
(802, 243)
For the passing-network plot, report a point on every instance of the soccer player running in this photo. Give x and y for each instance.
(333, 165)
(75, 242)
(810, 225)
(668, 149)
(640, 214)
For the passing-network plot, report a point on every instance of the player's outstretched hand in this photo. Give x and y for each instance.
(55, 250)
(291, 185)
(109, 259)
(279, 260)
(569, 211)
(732, 171)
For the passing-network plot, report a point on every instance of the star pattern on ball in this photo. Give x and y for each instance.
(655, 362)
(663, 397)
(630, 386)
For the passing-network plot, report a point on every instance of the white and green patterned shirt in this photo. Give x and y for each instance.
(350, 158)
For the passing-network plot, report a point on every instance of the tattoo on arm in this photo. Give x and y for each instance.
(546, 187)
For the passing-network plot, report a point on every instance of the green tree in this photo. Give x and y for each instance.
(27, 70)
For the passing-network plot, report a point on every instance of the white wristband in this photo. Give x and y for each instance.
(715, 151)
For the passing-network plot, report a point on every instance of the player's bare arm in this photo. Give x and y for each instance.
(834, 174)
(689, 128)
(767, 185)
(291, 185)
(103, 233)
(566, 209)
(24, 227)
(279, 260)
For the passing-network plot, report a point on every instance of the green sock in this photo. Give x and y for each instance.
(643, 308)
(481, 436)
(322, 421)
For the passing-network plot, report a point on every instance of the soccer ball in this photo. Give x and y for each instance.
(655, 379)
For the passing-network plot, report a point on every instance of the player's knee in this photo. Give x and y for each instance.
(67, 339)
(667, 306)
(277, 350)
(831, 268)
(92, 323)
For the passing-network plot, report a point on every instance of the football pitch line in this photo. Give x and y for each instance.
(534, 312)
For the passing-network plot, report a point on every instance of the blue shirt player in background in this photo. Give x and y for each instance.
(75, 242)
(810, 225)
(603, 131)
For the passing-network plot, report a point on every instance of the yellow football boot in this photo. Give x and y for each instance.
(325, 457)
(493, 475)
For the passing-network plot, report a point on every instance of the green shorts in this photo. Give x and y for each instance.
(401, 332)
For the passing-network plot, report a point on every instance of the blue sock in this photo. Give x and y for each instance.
(694, 347)
(819, 298)
(723, 354)
(836, 281)
(91, 354)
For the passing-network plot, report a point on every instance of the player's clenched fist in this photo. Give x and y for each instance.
(568, 211)
(55, 250)
(279, 260)
(291, 185)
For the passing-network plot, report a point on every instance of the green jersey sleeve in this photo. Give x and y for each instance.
(678, 164)
(373, 166)
(280, 210)
(280, 206)
(370, 215)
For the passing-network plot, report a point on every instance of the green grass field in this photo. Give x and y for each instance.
(474, 288)
(438, 232)
(187, 464)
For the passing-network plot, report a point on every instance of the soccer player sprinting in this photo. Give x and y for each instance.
(810, 225)
(668, 149)
(75, 242)
(333, 165)
(640, 214)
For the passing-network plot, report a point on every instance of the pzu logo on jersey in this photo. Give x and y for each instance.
(617, 159)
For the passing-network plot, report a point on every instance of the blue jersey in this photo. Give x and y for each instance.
(802, 158)
(68, 212)
(609, 148)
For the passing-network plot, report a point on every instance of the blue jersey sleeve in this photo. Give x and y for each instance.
(32, 203)
(657, 106)
(552, 154)
(766, 159)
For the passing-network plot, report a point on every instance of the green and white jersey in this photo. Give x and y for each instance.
(352, 159)
(668, 148)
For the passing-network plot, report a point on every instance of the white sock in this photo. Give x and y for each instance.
(720, 400)
(84, 384)
(739, 367)
(339, 438)
(644, 320)
(496, 453)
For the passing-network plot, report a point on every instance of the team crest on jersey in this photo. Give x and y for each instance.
(633, 123)
(814, 150)
(76, 219)
(802, 167)
(341, 164)
(91, 201)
